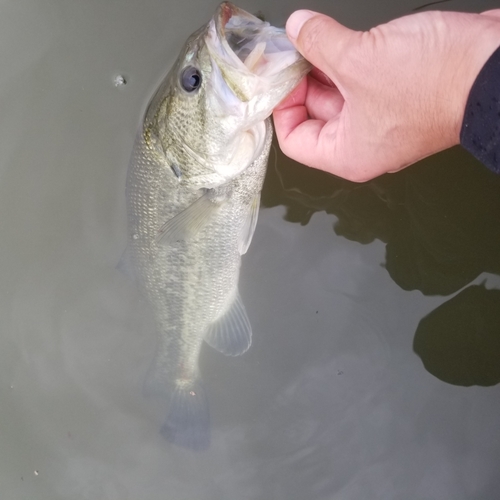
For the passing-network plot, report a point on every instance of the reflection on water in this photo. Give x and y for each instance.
(438, 219)
(439, 222)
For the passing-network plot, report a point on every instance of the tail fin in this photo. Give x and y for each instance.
(188, 420)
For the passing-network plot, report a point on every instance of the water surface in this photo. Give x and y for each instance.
(374, 369)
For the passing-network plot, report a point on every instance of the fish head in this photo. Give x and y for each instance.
(228, 78)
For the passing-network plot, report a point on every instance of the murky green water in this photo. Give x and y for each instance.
(375, 308)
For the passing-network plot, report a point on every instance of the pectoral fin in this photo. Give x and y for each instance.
(249, 226)
(232, 333)
(190, 221)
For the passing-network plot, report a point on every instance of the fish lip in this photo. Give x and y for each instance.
(225, 11)
(246, 82)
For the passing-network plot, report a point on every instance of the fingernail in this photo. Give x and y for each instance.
(296, 21)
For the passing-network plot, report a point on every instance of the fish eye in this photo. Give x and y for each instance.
(190, 79)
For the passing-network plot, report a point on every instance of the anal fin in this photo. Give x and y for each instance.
(231, 334)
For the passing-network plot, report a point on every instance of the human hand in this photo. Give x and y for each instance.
(380, 100)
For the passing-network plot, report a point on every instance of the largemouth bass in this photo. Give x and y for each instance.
(193, 191)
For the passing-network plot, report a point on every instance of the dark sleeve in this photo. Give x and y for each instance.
(480, 133)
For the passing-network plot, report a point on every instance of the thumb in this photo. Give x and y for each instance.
(491, 13)
(319, 38)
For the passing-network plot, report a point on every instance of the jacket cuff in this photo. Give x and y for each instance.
(480, 133)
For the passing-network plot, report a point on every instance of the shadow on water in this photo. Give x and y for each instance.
(439, 221)
(459, 342)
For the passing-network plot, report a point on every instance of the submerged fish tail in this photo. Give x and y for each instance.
(188, 419)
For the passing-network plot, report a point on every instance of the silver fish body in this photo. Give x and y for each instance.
(193, 191)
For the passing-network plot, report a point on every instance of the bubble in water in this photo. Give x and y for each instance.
(119, 81)
(135, 236)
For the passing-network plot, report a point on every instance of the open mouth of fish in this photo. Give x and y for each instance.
(250, 53)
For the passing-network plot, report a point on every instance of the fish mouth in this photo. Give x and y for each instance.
(252, 55)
